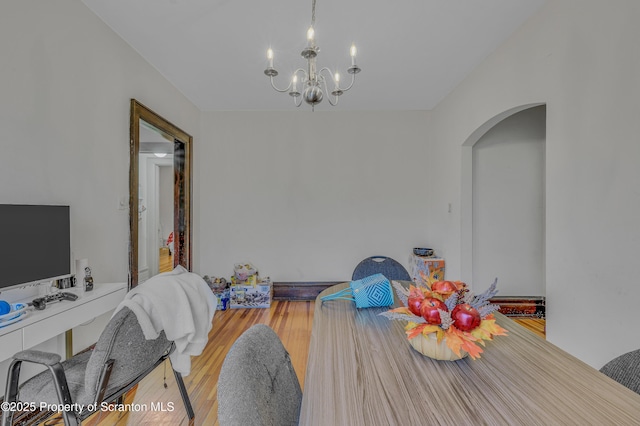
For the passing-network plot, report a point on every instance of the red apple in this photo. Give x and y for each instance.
(447, 288)
(413, 303)
(429, 310)
(465, 317)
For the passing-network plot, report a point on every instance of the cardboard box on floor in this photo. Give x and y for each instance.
(251, 296)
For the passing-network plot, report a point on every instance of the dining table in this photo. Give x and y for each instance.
(362, 370)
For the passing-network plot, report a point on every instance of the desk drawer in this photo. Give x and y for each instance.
(75, 315)
(10, 344)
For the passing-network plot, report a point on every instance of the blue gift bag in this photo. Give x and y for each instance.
(369, 292)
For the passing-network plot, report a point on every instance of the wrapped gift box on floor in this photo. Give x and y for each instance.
(251, 296)
(426, 268)
(220, 290)
(223, 299)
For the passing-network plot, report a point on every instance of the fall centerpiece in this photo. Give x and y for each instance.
(446, 321)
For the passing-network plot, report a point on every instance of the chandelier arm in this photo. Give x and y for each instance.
(323, 81)
(304, 73)
(330, 74)
(290, 86)
(279, 90)
(327, 70)
(353, 80)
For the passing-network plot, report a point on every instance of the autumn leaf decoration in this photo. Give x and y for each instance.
(458, 336)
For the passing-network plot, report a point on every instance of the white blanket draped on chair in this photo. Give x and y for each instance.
(180, 303)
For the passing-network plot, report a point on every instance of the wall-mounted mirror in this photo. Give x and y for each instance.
(159, 195)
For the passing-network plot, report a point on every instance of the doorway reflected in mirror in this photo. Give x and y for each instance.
(160, 196)
(155, 194)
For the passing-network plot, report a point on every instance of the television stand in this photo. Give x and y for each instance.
(59, 318)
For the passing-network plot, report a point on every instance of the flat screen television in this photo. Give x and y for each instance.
(35, 244)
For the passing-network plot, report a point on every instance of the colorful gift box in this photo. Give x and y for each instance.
(250, 296)
(222, 297)
(426, 269)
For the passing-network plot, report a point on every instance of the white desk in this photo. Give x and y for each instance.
(59, 317)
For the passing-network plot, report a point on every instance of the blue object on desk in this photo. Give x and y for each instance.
(5, 307)
(17, 312)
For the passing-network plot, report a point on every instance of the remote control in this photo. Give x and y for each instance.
(68, 296)
(41, 302)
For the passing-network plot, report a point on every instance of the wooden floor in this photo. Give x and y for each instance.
(291, 321)
(536, 325)
(165, 260)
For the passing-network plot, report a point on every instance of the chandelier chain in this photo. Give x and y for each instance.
(313, 12)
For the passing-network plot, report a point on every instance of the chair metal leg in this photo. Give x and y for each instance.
(184, 395)
(62, 389)
(11, 391)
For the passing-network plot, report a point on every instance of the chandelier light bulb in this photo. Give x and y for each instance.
(353, 51)
(337, 79)
(270, 57)
(311, 34)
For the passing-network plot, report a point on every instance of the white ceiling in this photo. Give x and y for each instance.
(412, 52)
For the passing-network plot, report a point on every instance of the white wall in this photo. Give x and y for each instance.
(580, 57)
(65, 85)
(305, 196)
(64, 114)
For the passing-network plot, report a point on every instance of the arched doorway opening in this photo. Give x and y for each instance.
(503, 202)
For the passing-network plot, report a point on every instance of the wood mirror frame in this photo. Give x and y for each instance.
(181, 190)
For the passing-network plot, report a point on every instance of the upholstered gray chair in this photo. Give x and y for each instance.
(120, 359)
(386, 266)
(625, 370)
(258, 385)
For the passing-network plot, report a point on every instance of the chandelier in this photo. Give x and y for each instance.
(313, 83)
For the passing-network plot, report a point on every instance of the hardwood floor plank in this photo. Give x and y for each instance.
(536, 325)
(165, 261)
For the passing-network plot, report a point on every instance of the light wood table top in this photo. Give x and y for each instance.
(362, 371)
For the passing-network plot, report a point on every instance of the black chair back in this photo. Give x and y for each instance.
(386, 266)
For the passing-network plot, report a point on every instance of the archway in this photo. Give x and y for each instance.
(507, 139)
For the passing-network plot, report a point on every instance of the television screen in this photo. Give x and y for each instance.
(35, 243)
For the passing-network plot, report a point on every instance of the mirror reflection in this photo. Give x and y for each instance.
(155, 198)
(159, 196)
